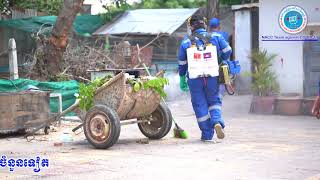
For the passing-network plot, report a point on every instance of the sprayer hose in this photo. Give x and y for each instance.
(229, 88)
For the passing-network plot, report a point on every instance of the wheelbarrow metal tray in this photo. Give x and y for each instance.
(129, 104)
(23, 110)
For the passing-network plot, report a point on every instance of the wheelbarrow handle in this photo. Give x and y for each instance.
(53, 119)
(78, 127)
(69, 109)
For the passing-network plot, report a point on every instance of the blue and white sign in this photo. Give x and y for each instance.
(293, 19)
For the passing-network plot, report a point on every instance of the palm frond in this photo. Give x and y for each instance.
(264, 80)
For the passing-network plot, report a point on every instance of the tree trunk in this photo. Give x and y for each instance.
(57, 43)
(212, 8)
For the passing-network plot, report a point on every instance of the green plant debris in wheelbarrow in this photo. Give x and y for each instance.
(87, 91)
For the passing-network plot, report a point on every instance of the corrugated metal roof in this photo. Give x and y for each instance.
(244, 6)
(147, 22)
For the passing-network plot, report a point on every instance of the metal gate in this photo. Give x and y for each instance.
(311, 61)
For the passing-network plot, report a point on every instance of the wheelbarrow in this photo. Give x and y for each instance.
(117, 104)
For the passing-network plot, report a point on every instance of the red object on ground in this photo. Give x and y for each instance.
(57, 144)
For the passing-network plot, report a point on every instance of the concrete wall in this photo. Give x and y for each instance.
(290, 73)
(243, 47)
(96, 6)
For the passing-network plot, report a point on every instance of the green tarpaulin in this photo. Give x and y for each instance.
(66, 88)
(84, 24)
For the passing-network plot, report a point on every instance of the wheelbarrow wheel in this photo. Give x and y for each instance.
(171, 117)
(102, 126)
(159, 125)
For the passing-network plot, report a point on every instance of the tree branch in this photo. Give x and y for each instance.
(96, 51)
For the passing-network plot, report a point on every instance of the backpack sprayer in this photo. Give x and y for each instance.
(228, 70)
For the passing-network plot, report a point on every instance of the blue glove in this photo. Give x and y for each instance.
(234, 67)
(183, 84)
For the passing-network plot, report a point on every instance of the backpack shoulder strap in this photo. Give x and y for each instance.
(204, 38)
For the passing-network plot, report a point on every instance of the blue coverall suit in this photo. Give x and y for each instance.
(204, 91)
(224, 34)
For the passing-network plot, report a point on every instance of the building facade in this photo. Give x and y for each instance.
(297, 64)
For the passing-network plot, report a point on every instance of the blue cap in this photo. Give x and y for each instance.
(214, 22)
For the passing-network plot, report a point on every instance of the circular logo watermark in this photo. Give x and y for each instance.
(293, 19)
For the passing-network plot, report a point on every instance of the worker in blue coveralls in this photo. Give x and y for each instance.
(199, 69)
(216, 28)
(316, 106)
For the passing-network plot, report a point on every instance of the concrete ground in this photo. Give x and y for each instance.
(256, 147)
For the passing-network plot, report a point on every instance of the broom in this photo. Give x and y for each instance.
(178, 132)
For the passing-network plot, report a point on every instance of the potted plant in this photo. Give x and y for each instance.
(264, 82)
(289, 104)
